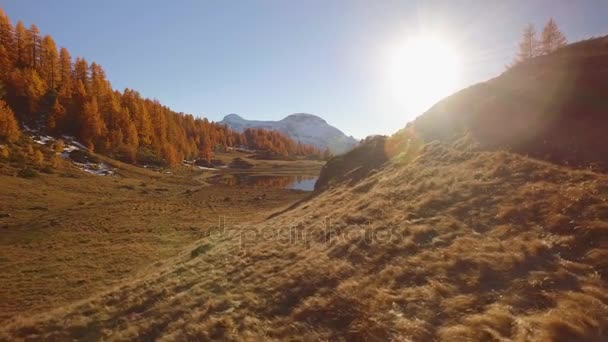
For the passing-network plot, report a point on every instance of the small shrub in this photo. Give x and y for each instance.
(18, 156)
(4, 153)
(55, 161)
(47, 169)
(126, 153)
(27, 173)
(38, 158)
(29, 150)
(58, 146)
(147, 156)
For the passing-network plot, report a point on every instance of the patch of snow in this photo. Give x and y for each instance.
(79, 145)
(70, 140)
(43, 139)
(70, 148)
(206, 168)
(101, 169)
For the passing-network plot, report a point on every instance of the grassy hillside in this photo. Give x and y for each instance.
(456, 245)
(66, 234)
(466, 225)
(552, 107)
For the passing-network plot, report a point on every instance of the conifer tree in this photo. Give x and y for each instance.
(33, 46)
(21, 45)
(9, 129)
(49, 62)
(7, 38)
(205, 148)
(93, 126)
(65, 73)
(6, 64)
(551, 38)
(528, 47)
(81, 72)
(56, 119)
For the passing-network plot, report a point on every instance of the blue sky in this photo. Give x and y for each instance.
(269, 58)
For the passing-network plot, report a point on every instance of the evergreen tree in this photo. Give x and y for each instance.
(205, 149)
(33, 47)
(528, 47)
(93, 126)
(6, 64)
(81, 72)
(9, 129)
(65, 73)
(49, 62)
(56, 119)
(7, 38)
(551, 38)
(21, 45)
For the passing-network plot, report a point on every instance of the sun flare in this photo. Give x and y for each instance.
(422, 70)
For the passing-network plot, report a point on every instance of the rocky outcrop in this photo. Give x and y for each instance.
(354, 165)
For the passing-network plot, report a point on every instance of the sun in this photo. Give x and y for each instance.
(422, 70)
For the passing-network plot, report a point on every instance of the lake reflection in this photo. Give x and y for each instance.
(306, 183)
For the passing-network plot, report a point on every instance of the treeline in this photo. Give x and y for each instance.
(46, 88)
(531, 46)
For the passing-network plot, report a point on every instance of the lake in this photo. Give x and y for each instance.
(305, 183)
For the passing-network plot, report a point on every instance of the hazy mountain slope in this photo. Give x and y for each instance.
(553, 107)
(306, 128)
(456, 245)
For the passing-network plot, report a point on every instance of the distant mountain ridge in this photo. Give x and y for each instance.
(305, 128)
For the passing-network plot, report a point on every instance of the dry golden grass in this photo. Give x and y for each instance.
(66, 235)
(455, 246)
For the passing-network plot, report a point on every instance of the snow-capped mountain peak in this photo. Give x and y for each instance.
(302, 127)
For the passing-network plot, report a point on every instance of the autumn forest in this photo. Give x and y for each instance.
(43, 87)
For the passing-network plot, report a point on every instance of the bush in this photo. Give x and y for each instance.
(47, 169)
(27, 173)
(55, 161)
(58, 146)
(127, 154)
(29, 150)
(146, 156)
(4, 153)
(38, 158)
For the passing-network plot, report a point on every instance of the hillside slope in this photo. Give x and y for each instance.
(455, 245)
(553, 107)
(450, 235)
(306, 128)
